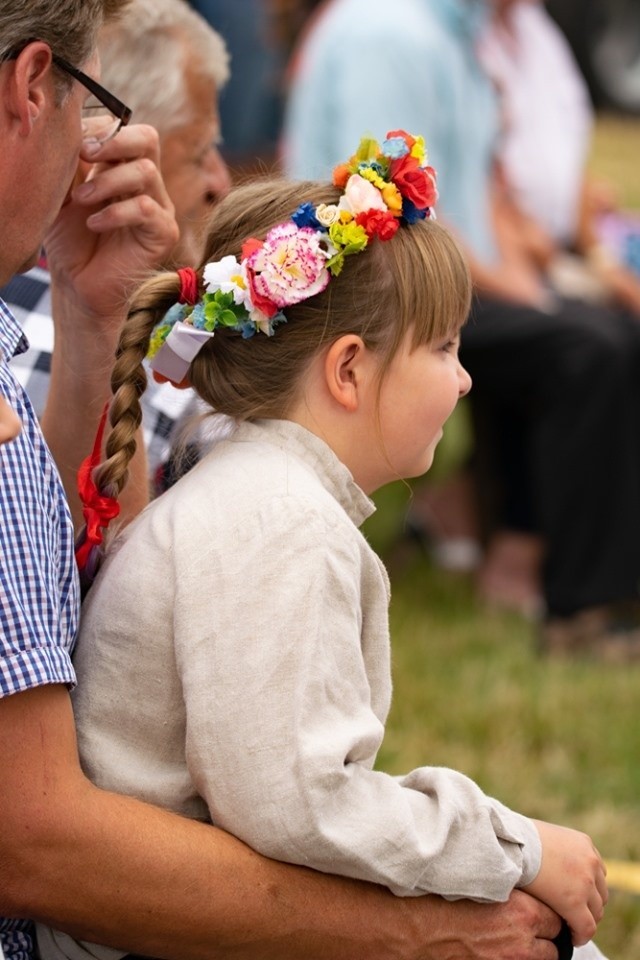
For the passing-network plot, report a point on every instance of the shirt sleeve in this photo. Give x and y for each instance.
(37, 572)
(282, 730)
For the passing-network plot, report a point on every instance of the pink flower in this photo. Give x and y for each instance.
(289, 267)
(360, 195)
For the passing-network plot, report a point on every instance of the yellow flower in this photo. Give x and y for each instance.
(419, 151)
(368, 173)
(392, 197)
(351, 236)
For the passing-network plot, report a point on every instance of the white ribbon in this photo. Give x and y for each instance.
(174, 357)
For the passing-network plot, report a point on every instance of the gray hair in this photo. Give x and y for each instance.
(141, 66)
(70, 27)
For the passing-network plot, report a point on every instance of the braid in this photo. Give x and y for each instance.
(101, 488)
(129, 379)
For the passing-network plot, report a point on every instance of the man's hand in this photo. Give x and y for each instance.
(116, 225)
(521, 929)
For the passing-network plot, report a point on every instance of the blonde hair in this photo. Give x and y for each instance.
(417, 283)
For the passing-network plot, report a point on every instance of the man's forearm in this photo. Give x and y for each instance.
(113, 870)
(80, 386)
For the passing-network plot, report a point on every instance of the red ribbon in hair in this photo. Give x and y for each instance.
(188, 286)
(97, 510)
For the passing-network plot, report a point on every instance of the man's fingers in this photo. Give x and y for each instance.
(137, 140)
(152, 223)
(139, 176)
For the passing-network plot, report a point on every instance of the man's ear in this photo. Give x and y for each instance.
(28, 86)
(344, 370)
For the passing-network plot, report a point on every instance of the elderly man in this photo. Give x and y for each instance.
(103, 867)
(168, 66)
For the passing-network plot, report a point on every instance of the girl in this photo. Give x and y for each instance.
(233, 662)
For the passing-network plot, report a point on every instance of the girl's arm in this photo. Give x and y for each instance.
(286, 685)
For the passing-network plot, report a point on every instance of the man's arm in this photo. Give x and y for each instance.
(114, 870)
(117, 225)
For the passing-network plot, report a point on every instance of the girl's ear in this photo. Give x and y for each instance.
(28, 87)
(344, 369)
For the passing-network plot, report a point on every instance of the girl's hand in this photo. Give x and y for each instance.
(571, 879)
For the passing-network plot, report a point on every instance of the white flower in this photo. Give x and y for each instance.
(327, 213)
(226, 275)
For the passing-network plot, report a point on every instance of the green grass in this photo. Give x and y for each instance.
(555, 740)
(614, 157)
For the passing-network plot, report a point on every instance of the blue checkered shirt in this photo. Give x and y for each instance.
(39, 595)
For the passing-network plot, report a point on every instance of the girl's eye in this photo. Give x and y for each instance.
(450, 346)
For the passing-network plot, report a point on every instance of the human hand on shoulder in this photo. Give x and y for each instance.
(117, 224)
(571, 879)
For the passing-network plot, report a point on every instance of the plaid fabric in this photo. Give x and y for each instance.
(29, 298)
(39, 594)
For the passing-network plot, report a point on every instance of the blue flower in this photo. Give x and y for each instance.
(248, 329)
(395, 147)
(174, 314)
(305, 216)
(411, 213)
(197, 316)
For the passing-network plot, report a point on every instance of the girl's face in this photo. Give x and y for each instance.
(419, 392)
(10, 425)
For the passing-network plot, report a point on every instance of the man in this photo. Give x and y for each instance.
(566, 372)
(107, 868)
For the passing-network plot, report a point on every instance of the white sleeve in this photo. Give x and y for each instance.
(282, 733)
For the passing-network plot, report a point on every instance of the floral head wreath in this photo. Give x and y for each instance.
(384, 187)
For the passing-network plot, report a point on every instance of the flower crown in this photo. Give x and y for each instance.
(384, 186)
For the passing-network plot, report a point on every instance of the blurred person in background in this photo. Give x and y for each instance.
(544, 149)
(251, 105)
(168, 65)
(566, 373)
(568, 218)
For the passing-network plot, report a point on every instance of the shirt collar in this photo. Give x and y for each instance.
(331, 472)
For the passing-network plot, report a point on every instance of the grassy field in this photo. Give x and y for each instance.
(558, 741)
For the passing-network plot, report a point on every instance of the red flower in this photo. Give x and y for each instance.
(414, 182)
(268, 307)
(381, 223)
(250, 246)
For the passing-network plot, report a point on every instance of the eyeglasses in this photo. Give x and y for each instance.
(103, 115)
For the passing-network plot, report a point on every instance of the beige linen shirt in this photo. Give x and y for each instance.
(233, 666)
